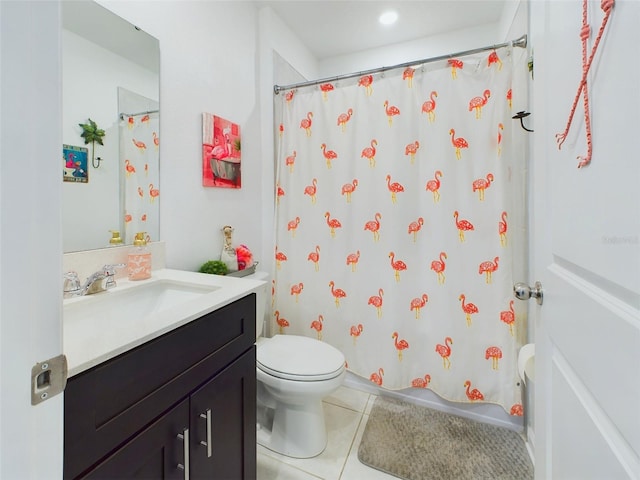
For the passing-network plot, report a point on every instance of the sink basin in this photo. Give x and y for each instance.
(99, 327)
(134, 303)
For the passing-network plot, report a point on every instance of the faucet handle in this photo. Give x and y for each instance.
(110, 270)
(71, 283)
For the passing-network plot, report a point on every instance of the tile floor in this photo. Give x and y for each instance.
(346, 413)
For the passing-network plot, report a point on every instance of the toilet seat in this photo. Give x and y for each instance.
(293, 357)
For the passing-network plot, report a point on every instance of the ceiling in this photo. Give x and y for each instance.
(338, 27)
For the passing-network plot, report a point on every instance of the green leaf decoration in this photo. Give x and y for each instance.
(92, 134)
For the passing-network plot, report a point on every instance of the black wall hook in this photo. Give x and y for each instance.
(522, 114)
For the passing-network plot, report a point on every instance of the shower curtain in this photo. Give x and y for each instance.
(394, 199)
(139, 147)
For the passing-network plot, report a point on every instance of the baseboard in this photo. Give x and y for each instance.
(530, 444)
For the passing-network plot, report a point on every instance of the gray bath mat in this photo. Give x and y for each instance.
(418, 443)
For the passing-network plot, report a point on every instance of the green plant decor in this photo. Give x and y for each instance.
(237, 144)
(92, 134)
(215, 267)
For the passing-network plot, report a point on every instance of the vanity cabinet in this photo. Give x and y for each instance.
(183, 403)
(153, 453)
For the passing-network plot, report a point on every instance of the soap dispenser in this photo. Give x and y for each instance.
(139, 262)
(116, 239)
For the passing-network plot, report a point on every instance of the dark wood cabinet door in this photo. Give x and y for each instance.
(111, 402)
(153, 454)
(231, 399)
(122, 417)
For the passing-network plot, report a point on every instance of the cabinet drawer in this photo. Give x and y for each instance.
(108, 404)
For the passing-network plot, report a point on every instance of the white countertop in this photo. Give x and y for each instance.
(89, 341)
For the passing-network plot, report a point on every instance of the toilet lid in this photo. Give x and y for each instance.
(300, 358)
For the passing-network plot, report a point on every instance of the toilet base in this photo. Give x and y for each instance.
(296, 431)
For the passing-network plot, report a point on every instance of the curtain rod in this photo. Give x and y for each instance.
(518, 42)
(122, 115)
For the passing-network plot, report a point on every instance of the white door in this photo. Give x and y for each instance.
(586, 246)
(30, 240)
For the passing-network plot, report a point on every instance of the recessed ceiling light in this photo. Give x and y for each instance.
(389, 17)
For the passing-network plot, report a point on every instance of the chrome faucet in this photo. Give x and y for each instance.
(99, 281)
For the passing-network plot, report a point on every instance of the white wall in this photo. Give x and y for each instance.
(513, 19)
(91, 76)
(514, 23)
(275, 38)
(208, 63)
(30, 236)
(434, 45)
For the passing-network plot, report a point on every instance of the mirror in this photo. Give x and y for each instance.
(111, 76)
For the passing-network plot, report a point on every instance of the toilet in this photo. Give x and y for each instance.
(294, 374)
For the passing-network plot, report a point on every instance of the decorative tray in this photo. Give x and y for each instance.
(245, 272)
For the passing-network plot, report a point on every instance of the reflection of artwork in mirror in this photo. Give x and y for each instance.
(74, 161)
(220, 152)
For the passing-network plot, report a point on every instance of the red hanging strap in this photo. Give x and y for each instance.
(607, 6)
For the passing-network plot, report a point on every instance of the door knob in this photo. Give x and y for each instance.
(522, 291)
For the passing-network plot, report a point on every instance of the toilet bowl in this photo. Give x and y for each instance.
(294, 373)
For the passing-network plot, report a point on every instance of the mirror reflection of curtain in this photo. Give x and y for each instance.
(139, 145)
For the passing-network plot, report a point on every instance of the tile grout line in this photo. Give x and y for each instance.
(353, 440)
(303, 468)
(293, 467)
(346, 407)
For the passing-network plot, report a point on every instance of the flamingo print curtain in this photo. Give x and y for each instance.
(394, 200)
(139, 147)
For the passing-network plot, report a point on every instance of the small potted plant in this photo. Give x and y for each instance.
(214, 267)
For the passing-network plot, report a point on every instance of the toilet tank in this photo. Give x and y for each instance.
(262, 298)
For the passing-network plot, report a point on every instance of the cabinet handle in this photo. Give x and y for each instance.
(185, 446)
(207, 416)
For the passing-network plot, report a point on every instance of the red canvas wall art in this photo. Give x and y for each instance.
(220, 152)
